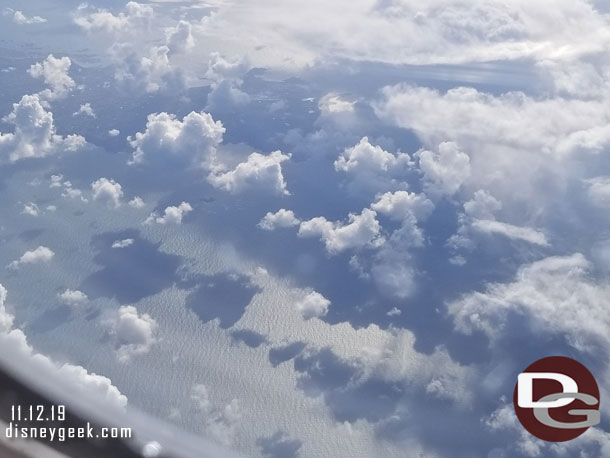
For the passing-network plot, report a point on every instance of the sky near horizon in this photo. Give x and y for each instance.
(309, 229)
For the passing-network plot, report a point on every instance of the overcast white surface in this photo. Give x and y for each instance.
(309, 229)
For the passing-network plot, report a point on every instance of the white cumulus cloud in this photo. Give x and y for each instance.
(54, 73)
(134, 332)
(42, 254)
(313, 305)
(171, 215)
(34, 133)
(73, 297)
(75, 379)
(196, 137)
(108, 191)
(362, 230)
(259, 172)
(281, 219)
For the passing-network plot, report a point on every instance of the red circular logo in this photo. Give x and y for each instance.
(557, 399)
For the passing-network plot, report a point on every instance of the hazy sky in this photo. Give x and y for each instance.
(309, 229)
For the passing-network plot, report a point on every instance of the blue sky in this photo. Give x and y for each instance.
(309, 229)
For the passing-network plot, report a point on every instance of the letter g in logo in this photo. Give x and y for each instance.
(557, 399)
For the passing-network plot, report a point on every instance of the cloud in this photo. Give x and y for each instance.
(73, 297)
(20, 18)
(180, 37)
(108, 191)
(313, 305)
(479, 217)
(281, 219)
(556, 294)
(54, 73)
(361, 231)
(133, 332)
(401, 204)
(525, 234)
(69, 192)
(333, 103)
(86, 110)
(172, 215)
(226, 76)
(370, 168)
(401, 32)
(122, 243)
(196, 137)
(34, 133)
(31, 209)
(74, 379)
(367, 157)
(136, 202)
(393, 268)
(444, 170)
(135, 16)
(114, 132)
(598, 189)
(41, 254)
(259, 172)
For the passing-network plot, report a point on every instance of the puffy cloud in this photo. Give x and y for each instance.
(54, 73)
(281, 219)
(135, 16)
(69, 192)
(369, 158)
(75, 379)
(557, 296)
(108, 191)
(445, 170)
(482, 206)
(114, 132)
(20, 18)
(172, 215)
(360, 231)
(86, 110)
(401, 204)
(258, 172)
(73, 297)
(31, 209)
(226, 78)
(537, 126)
(41, 254)
(180, 37)
(551, 134)
(122, 243)
(136, 202)
(34, 133)
(196, 137)
(134, 332)
(155, 70)
(372, 169)
(313, 305)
